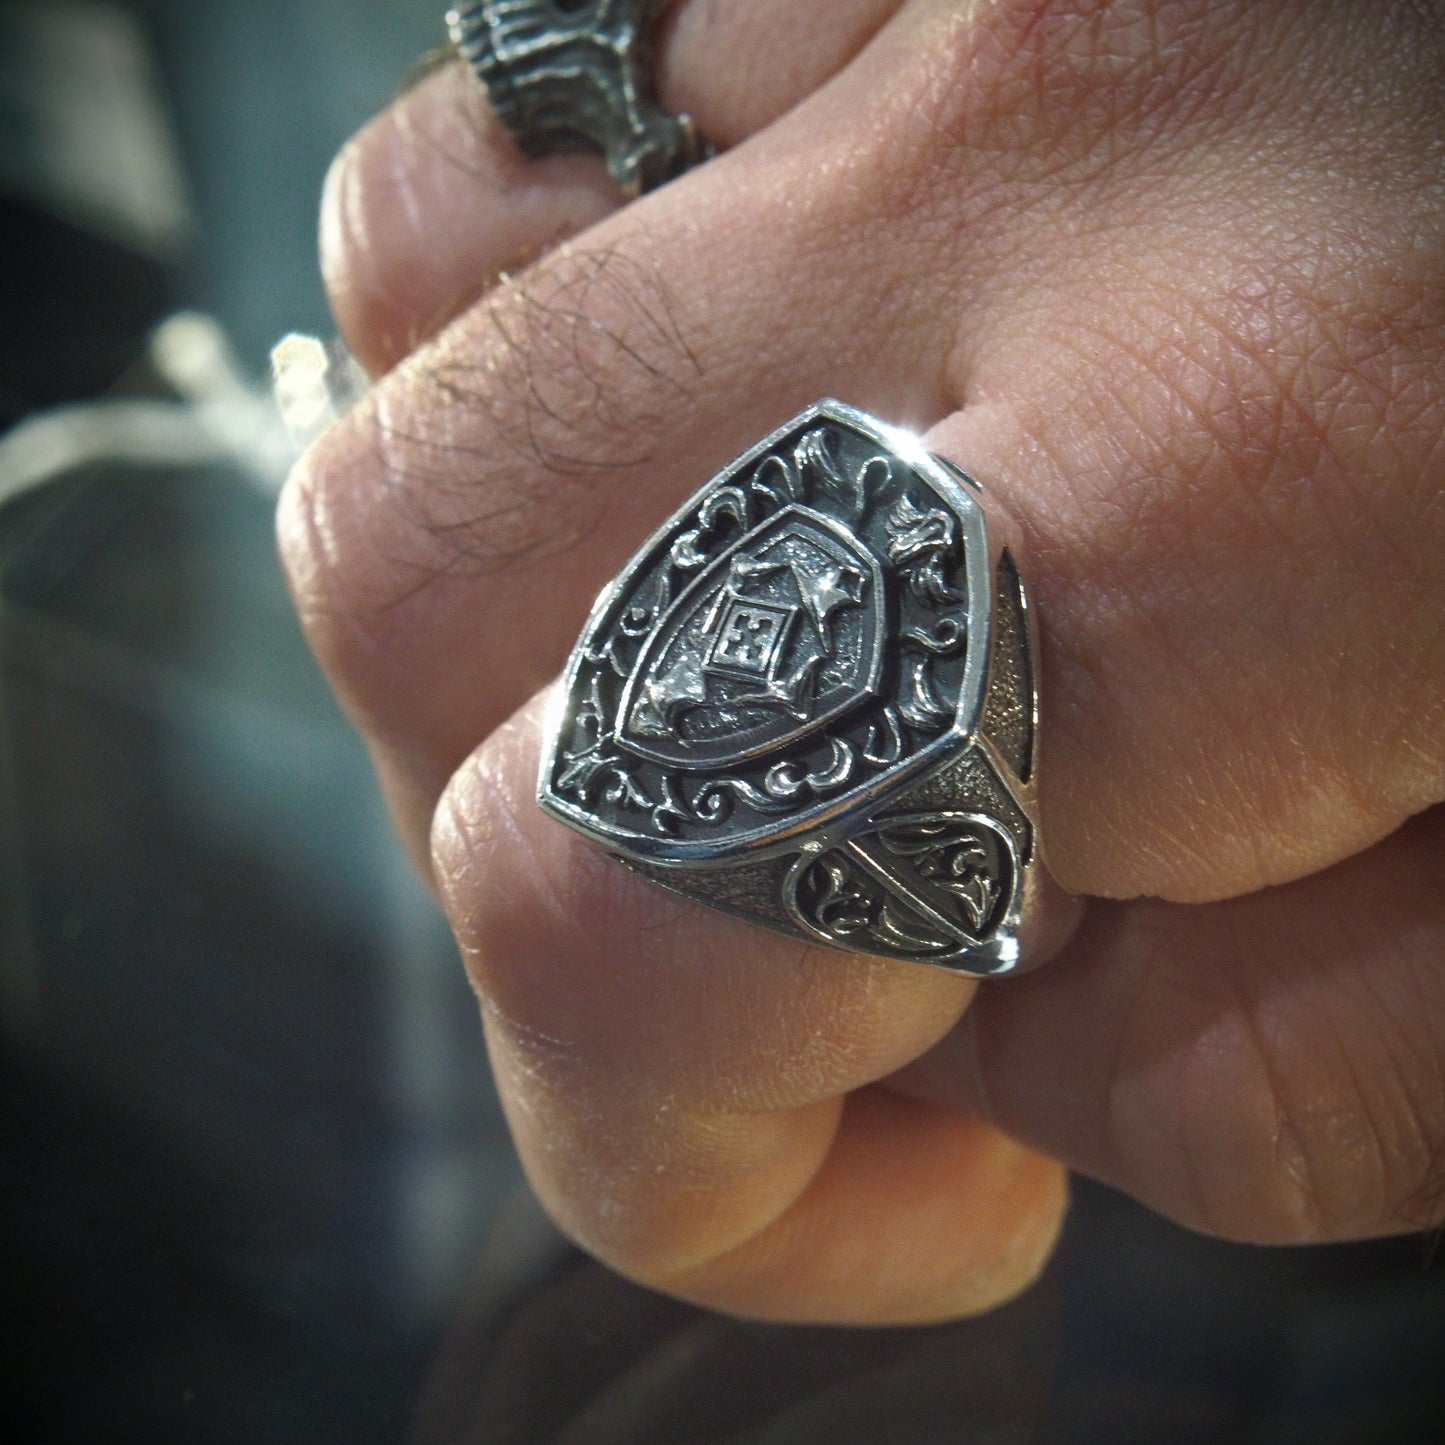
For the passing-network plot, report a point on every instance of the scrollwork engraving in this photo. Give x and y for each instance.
(923, 885)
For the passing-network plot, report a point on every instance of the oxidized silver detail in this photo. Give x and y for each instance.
(810, 699)
(927, 885)
(576, 75)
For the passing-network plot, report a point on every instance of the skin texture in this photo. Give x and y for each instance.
(1177, 293)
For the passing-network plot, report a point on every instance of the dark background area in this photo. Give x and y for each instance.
(254, 1185)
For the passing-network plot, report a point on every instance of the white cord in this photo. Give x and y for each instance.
(221, 416)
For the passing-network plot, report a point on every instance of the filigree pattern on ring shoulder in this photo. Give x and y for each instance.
(918, 886)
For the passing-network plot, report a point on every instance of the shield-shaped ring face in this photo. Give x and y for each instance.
(809, 699)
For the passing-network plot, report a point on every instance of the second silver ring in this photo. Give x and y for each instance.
(578, 77)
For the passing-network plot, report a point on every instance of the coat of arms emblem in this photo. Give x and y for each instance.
(780, 633)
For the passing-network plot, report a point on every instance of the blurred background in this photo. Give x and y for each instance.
(253, 1179)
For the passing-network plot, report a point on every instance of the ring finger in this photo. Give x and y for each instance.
(431, 202)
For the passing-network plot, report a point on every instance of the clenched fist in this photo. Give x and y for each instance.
(1169, 275)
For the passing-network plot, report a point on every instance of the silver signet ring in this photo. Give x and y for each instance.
(811, 700)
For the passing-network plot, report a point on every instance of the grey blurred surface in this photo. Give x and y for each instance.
(250, 1141)
(265, 92)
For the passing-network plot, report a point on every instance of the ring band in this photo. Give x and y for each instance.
(811, 700)
(578, 77)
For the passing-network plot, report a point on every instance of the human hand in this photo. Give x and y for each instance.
(1167, 275)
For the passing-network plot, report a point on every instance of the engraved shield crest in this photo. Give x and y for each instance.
(778, 636)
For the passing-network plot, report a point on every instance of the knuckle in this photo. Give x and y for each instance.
(498, 442)
(386, 245)
(342, 578)
(578, 363)
(313, 522)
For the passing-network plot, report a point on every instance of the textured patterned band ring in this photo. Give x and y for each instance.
(810, 700)
(577, 75)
